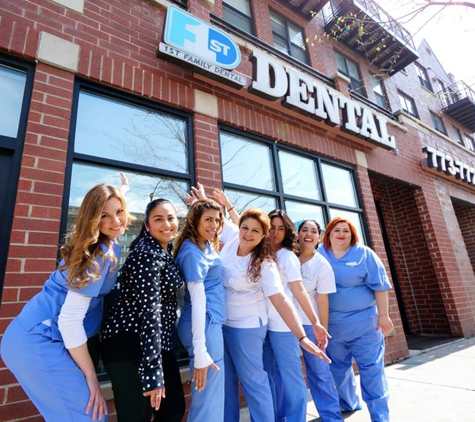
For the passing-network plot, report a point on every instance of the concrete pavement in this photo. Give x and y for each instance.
(434, 385)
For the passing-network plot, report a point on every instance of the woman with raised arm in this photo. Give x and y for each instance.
(45, 346)
(281, 348)
(204, 309)
(136, 344)
(319, 281)
(358, 319)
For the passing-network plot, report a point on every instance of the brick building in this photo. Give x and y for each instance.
(281, 103)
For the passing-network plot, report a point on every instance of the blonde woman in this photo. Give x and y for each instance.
(46, 345)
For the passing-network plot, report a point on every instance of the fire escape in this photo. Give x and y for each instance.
(458, 102)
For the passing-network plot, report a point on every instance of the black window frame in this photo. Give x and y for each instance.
(408, 99)
(287, 39)
(228, 8)
(423, 76)
(382, 98)
(355, 85)
(469, 142)
(438, 123)
(279, 194)
(13, 146)
(459, 138)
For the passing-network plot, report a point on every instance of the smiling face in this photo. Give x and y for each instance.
(277, 232)
(308, 236)
(162, 224)
(113, 219)
(250, 235)
(208, 225)
(340, 236)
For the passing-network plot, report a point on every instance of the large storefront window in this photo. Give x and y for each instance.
(267, 175)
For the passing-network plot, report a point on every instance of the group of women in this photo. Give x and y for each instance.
(250, 306)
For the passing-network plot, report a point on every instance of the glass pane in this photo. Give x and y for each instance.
(12, 89)
(339, 186)
(354, 218)
(299, 211)
(238, 20)
(296, 36)
(242, 201)
(298, 53)
(246, 162)
(341, 63)
(281, 44)
(278, 25)
(353, 70)
(119, 131)
(242, 5)
(143, 189)
(299, 176)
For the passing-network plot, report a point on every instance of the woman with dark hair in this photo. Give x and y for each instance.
(319, 281)
(204, 309)
(136, 342)
(358, 319)
(281, 348)
(249, 276)
(45, 346)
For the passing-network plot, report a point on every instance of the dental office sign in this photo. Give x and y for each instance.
(307, 95)
(451, 167)
(203, 47)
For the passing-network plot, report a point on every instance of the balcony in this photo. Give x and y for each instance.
(305, 8)
(458, 102)
(368, 30)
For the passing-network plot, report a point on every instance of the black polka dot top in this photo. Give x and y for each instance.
(147, 305)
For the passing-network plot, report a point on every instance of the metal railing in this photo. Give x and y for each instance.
(454, 93)
(334, 9)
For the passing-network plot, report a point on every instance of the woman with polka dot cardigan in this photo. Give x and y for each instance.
(136, 339)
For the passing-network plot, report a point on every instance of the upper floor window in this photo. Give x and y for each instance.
(238, 13)
(408, 104)
(288, 38)
(469, 142)
(438, 123)
(379, 92)
(423, 77)
(350, 70)
(458, 136)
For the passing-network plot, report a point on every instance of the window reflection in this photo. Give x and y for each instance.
(116, 130)
(298, 212)
(12, 89)
(339, 186)
(299, 176)
(242, 201)
(246, 162)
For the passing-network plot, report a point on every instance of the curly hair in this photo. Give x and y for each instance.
(263, 251)
(83, 243)
(290, 239)
(190, 228)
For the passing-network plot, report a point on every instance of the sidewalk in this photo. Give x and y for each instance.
(435, 385)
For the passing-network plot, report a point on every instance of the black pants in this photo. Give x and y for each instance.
(122, 355)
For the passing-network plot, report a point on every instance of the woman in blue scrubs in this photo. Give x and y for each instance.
(358, 319)
(204, 309)
(46, 345)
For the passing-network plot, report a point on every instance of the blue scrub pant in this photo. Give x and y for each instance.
(47, 373)
(282, 363)
(321, 384)
(206, 405)
(243, 361)
(361, 341)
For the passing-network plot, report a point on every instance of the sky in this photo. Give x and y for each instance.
(450, 32)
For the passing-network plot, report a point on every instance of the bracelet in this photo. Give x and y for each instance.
(301, 338)
(230, 209)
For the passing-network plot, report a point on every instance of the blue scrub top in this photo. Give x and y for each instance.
(203, 266)
(358, 274)
(46, 305)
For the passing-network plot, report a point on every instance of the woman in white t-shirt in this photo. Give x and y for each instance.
(281, 349)
(250, 275)
(319, 281)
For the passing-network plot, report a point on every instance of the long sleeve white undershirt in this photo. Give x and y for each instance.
(71, 319)
(198, 324)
